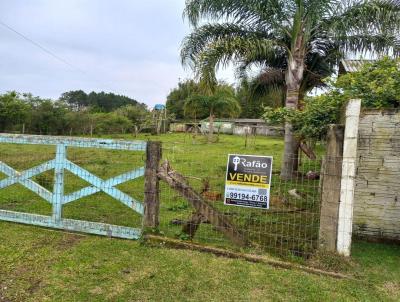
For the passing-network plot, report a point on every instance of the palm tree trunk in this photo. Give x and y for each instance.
(211, 128)
(294, 76)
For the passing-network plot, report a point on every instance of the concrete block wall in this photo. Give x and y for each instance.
(377, 191)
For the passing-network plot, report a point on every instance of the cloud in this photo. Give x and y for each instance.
(129, 47)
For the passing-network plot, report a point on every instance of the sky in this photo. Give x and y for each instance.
(129, 47)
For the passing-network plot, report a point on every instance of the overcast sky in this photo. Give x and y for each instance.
(129, 47)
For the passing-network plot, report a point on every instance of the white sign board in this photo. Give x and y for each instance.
(248, 181)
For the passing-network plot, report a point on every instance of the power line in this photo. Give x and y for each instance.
(50, 53)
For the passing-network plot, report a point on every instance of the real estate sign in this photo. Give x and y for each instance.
(248, 181)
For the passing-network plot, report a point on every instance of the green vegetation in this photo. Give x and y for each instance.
(221, 102)
(75, 113)
(279, 232)
(97, 102)
(377, 84)
(252, 94)
(297, 39)
(42, 265)
(39, 264)
(177, 97)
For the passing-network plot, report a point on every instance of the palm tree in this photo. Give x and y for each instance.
(267, 32)
(221, 103)
(269, 86)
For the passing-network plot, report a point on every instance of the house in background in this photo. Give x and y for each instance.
(184, 126)
(348, 66)
(242, 127)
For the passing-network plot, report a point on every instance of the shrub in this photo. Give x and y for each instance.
(377, 84)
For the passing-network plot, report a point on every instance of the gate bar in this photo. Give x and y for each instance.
(80, 142)
(96, 228)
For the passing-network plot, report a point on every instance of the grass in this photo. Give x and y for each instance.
(43, 265)
(39, 265)
(289, 228)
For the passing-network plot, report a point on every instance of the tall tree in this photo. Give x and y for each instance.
(76, 99)
(221, 103)
(138, 115)
(177, 97)
(13, 111)
(265, 31)
(98, 101)
(254, 94)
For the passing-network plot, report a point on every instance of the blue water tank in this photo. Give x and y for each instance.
(159, 107)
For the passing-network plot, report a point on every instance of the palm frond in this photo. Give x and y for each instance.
(365, 26)
(210, 34)
(244, 11)
(265, 33)
(236, 48)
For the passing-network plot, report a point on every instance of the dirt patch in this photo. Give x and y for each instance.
(3, 299)
(31, 284)
(96, 291)
(35, 286)
(391, 288)
(2, 294)
(68, 241)
(331, 261)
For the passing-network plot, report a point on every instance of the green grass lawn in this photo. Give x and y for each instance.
(43, 265)
(289, 228)
(38, 264)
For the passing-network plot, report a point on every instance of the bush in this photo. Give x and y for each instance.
(110, 123)
(312, 122)
(377, 84)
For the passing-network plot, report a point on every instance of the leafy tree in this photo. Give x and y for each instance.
(13, 111)
(377, 84)
(254, 96)
(221, 103)
(177, 97)
(98, 101)
(48, 117)
(139, 116)
(76, 99)
(267, 32)
(312, 122)
(110, 123)
(67, 115)
(78, 122)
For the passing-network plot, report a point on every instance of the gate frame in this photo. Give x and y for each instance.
(57, 197)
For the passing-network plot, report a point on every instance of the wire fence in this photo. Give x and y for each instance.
(75, 184)
(289, 227)
(94, 191)
(313, 209)
(100, 183)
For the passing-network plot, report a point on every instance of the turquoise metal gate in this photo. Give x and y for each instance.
(57, 198)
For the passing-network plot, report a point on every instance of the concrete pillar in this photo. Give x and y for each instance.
(345, 219)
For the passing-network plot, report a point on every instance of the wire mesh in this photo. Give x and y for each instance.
(100, 181)
(289, 227)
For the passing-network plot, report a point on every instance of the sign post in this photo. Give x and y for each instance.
(248, 181)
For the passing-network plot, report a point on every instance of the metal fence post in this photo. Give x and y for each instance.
(151, 185)
(330, 192)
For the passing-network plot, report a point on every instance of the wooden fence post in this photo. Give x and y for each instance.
(330, 191)
(151, 185)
